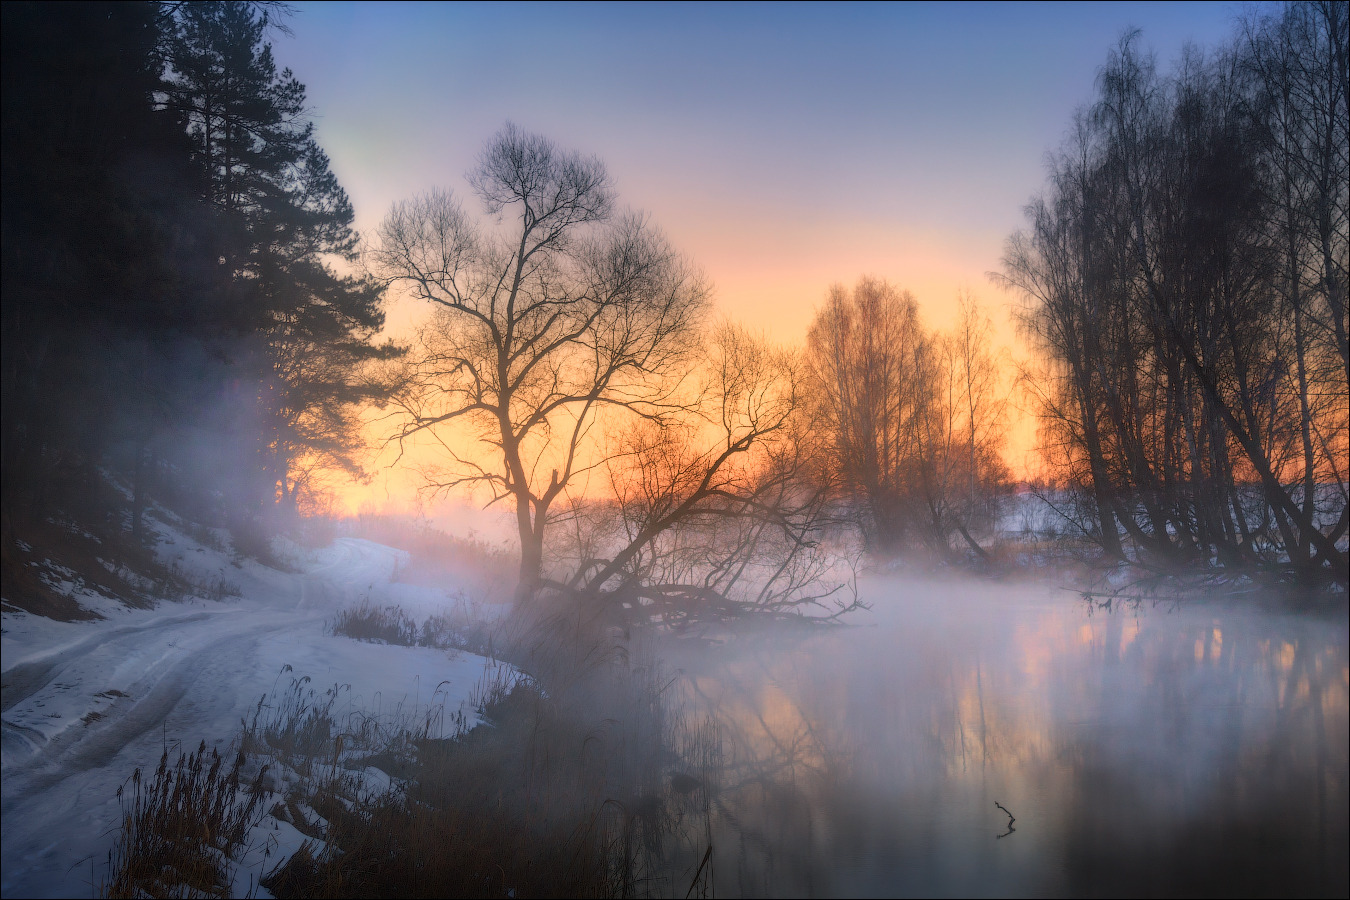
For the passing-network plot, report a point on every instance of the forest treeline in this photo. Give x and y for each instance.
(1183, 281)
(1184, 275)
(175, 308)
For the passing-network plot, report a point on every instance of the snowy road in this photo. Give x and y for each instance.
(84, 704)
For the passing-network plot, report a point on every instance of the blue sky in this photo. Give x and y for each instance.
(782, 147)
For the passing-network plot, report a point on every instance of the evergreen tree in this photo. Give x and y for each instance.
(306, 329)
(171, 244)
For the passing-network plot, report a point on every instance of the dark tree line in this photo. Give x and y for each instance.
(1185, 276)
(171, 231)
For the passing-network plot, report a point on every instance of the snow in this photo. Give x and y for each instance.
(86, 703)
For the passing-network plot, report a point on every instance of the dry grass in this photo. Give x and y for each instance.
(383, 624)
(391, 624)
(486, 814)
(44, 563)
(181, 828)
(297, 728)
(540, 803)
(27, 586)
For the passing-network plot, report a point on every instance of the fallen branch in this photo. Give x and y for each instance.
(1011, 820)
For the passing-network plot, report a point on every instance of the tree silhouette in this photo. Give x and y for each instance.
(306, 331)
(568, 322)
(1184, 275)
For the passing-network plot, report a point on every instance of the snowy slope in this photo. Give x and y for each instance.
(86, 703)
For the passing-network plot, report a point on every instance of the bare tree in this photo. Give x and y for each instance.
(1299, 60)
(721, 513)
(568, 342)
(562, 314)
(973, 404)
(870, 372)
(913, 419)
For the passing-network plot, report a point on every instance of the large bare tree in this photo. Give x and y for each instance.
(555, 315)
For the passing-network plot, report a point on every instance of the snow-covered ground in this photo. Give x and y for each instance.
(86, 703)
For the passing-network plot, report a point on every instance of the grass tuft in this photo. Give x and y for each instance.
(391, 624)
(182, 828)
(383, 624)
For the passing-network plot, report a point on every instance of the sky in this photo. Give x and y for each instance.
(782, 148)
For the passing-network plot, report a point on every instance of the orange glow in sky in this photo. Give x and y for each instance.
(782, 148)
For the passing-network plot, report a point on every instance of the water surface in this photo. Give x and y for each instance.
(1194, 749)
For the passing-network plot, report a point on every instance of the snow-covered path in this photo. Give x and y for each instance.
(85, 704)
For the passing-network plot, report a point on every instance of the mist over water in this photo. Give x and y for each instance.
(1191, 749)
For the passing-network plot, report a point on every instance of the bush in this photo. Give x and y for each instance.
(384, 624)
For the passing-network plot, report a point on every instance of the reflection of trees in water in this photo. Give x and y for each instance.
(1226, 764)
(776, 766)
(1189, 749)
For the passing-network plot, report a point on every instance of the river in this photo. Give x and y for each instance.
(972, 739)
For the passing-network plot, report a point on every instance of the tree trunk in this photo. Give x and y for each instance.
(531, 564)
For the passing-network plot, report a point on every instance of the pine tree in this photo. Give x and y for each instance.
(304, 329)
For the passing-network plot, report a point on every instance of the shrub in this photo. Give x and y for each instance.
(385, 624)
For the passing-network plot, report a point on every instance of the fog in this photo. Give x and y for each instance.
(1178, 748)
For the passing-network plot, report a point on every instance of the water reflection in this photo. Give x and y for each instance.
(1197, 751)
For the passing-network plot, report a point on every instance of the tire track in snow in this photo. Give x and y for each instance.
(61, 788)
(21, 681)
(154, 699)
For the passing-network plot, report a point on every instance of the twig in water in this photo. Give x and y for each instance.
(1011, 820)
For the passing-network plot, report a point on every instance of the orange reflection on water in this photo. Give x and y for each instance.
(1162, 731)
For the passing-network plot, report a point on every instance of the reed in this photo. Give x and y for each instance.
(182, 827)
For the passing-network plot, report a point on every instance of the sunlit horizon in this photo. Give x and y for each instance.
(782, 149)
